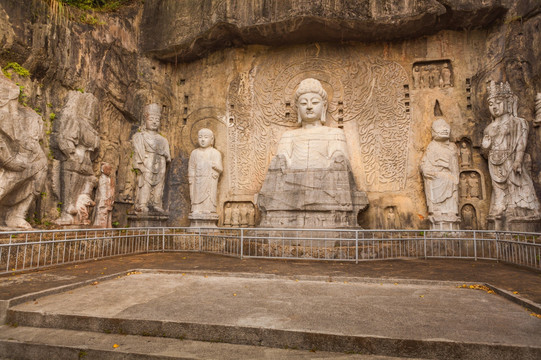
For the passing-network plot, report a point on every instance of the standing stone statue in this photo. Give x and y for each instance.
(227, 215)
(439, 167)
(23, 164)
(301, 187)
(469, 219)
(445, 79)
(150, 159)
(77, 138)
(416, 77)
(204, 169)
(105, 197)
(465, 154)
(513, 196)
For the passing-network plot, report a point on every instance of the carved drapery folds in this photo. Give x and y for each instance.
(365, 97)
(514, 204)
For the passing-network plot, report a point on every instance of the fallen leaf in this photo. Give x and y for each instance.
(115, 346)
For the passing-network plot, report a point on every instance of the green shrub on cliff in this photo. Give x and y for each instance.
(107, 5)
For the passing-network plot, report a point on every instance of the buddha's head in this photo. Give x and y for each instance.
(440, 130)
(311, 100)
(205, 137)
(151, 115)
(501, 99)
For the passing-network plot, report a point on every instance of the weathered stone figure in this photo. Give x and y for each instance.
(150, 159)
(204, 169)
(416, 77)
(84, 202)
(469, 219)
(445, 79)
(78, 140)
(227, 214)
(513, 195)
(465, 154)
(309, 182)
(105, 197)
(23, 164)
(439, 167)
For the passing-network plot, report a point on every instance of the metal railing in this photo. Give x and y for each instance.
(27, 250)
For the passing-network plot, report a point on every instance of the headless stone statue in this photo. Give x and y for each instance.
(204, 169)
(105, 197)
(513, 196)
(23, 164)
(439, 167)
(309, 182)
(150, 159)
(77, 138)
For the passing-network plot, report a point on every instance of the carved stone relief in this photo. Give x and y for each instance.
(471, 185)
(432, 74)
(77, 140)
(365, 97)
(468, 216)
(239, 214)
(514, 204)
(23, 164)
(392, 219)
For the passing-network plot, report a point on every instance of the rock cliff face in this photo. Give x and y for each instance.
(390, 67)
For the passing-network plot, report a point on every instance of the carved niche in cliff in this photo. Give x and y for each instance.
(367, 97)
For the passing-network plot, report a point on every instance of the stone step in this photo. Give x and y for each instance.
(385, 318)
(45, 343)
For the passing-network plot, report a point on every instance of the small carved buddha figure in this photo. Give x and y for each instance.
(439, 167)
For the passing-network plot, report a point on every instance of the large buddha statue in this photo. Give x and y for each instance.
(309, 182)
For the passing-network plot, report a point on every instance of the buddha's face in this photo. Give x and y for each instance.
(205, 138)
(441, 132)
(311, 107)
(497, 106)
(152, 122)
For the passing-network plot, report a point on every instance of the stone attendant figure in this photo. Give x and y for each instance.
(105, 197)
(78, 140)
(300, 188)
(204, 169)
(469, 219)
(439, 167)
(473, 183)
(23, 164)
(150, 159)
(513, 194)
(235, 215)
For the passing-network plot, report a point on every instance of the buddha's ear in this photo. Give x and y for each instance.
(324, 113)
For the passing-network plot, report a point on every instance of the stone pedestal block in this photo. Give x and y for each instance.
(147, 220)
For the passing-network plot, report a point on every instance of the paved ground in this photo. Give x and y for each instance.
(507, 277)
(345, 308)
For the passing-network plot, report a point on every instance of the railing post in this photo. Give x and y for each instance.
(241, 242)
(475, 245)
(148, 239)
(424, 242)
(200, 239)
(496, 240)
(163, 239)
(356, 246)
